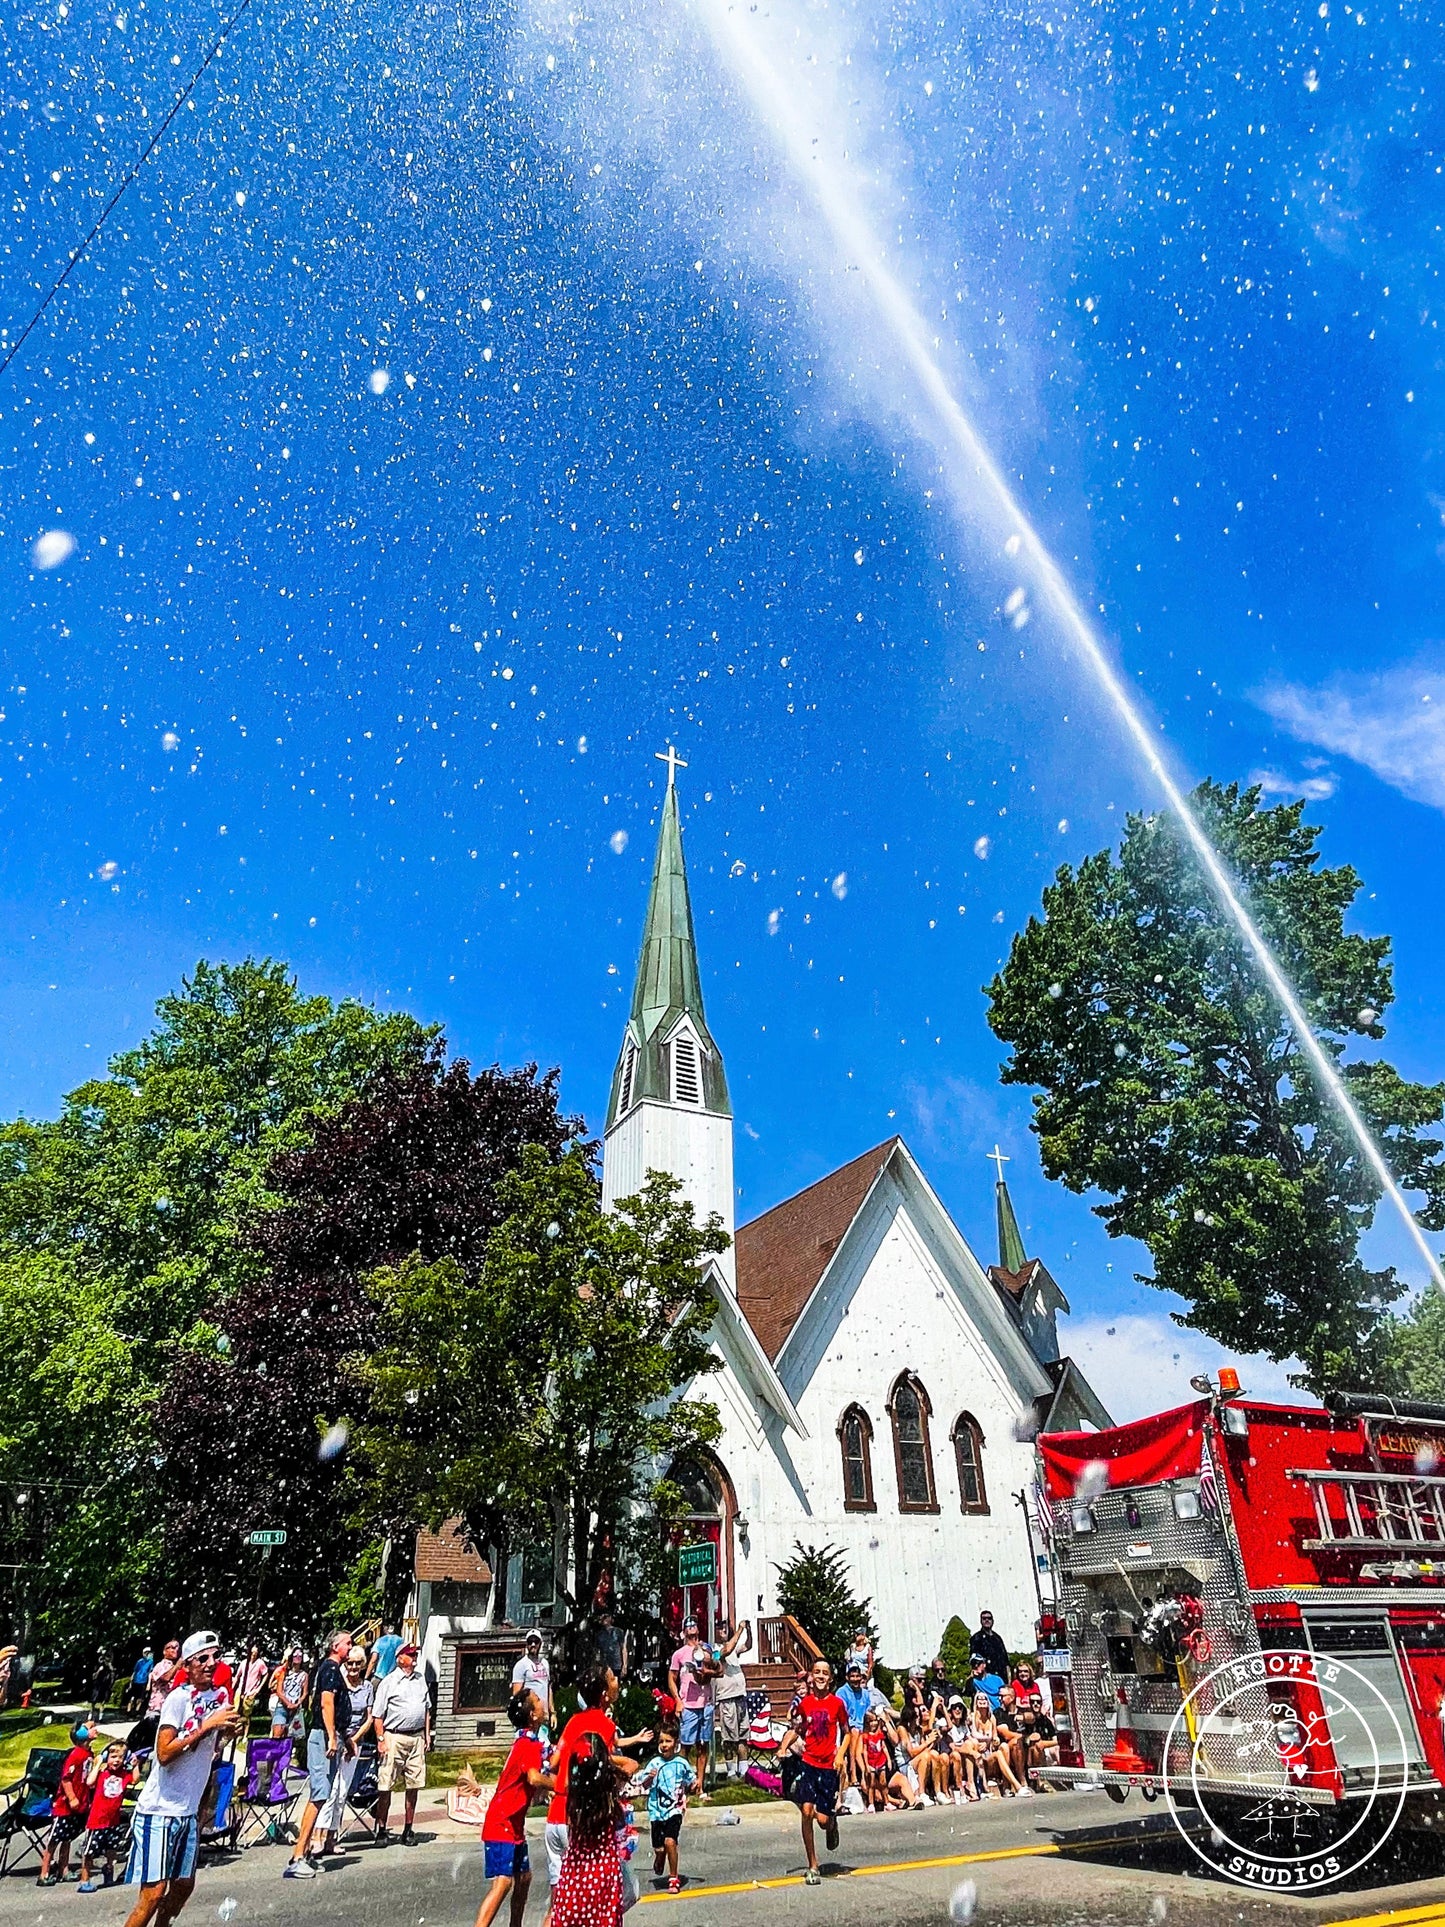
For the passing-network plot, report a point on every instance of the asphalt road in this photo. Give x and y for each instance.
(1066, 1861)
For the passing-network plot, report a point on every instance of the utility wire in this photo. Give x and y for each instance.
(78, 253)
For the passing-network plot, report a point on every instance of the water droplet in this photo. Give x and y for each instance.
(333, 1440)
(379, 381)
(228, 1906)
(52, 548)
(981, 847)
(617, 842)
(1056, 991)
(840, 885)
(963, 1902)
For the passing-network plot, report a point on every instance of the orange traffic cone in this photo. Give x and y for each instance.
(1124, 1756)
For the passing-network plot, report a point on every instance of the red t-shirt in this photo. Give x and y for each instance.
(875, 1752)
(1028, 1694)
(574, 1739)
(507, 1814)
(72, 1793)
(107, 1799)
(223, 1679)
(824, 1722)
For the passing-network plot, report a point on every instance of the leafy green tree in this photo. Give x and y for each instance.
(538, 1394)
(1409, 1349)
(120, 1225)
(955, 1651)
(1169, 1079)
(248, 1419)
(814, 1588)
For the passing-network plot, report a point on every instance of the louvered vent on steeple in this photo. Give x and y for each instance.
(629, 1072)
(686, 1077)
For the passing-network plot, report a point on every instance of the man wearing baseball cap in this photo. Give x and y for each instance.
(402, 1716)
(165, 1835)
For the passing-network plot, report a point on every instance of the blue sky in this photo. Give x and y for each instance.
(466, 402)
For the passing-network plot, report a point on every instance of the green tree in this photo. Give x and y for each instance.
(539, 1395)
(120, 1225)
(1169, 1079)
(814, 1588)
(1409, 1350)
(957, 1655)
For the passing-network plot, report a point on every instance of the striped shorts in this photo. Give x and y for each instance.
(162, 1847)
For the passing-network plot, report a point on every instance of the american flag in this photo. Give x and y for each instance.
(1208, 1489)
(1043, 1518)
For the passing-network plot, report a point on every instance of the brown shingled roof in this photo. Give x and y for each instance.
(781, 1256)
(445, 1555)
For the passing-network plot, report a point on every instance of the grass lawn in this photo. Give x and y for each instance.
(16, 1742)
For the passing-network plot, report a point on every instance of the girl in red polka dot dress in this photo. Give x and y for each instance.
(589, 1888)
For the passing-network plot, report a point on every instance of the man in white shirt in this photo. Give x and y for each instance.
(401, 1715)
(165, 1834)
(730, 1691)
(532, 1674)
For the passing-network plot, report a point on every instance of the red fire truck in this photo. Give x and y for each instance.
(1253, 1597)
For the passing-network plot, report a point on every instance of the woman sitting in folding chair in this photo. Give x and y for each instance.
(331, 1821)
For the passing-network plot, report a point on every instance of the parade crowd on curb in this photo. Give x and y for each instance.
(844, 1748)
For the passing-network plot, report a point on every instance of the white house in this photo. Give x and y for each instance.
(879, 1386)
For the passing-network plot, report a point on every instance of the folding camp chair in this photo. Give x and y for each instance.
(266, 1804)
(364, 1793)
(219, 1833)
(25, 1820)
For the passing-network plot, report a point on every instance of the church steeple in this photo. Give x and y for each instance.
(667, 997)
(1022, 1282)
(668, 1109)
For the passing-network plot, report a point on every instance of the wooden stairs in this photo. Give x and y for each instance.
(784, 1651)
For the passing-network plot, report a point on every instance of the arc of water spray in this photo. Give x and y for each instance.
(807, 151)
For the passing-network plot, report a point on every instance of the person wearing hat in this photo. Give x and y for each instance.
(532, 1674)
(985, 1681)
(402, 1717)
(165, 1834)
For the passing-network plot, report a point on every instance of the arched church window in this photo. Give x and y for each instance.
(629, 1073)
(855, 1435)
(686, 1072)
(968, 1450)
(699, 1493)
(909, 1409)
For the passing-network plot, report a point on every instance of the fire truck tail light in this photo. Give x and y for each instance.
(1186, 1503)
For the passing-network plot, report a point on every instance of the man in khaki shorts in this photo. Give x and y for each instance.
(401, 1715)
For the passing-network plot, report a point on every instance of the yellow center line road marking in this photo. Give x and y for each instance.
(919, 1866)
(1431, 1916)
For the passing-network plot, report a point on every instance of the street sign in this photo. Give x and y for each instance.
(268, 1536)
(697, 1564)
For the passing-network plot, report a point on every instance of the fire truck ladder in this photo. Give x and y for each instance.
(1394, 1509)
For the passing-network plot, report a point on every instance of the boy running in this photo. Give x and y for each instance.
(669, 1780)
(504, 1830)
(821, 1727)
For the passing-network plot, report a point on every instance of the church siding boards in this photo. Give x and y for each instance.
(825, 1302)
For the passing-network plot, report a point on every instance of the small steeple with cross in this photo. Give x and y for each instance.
(674, 763)
(1000, 1159)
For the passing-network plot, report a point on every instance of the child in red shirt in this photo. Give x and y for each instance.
(504, 1836)
(820, 1729)
(68, 1808)
(107, 1833)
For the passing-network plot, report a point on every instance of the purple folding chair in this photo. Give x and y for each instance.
(267, 1802)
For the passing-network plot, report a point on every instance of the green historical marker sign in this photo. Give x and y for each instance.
(697, 1564)
(267, 1536)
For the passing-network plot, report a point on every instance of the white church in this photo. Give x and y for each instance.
(879, 1385)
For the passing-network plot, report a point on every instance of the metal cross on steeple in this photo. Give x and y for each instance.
(674, 763)
(1000, 1158)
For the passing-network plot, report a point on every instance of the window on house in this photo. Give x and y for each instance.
(968, 1450)
(855, 1435)
(629, 1072)
(686, 1072)
(909, 1410)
